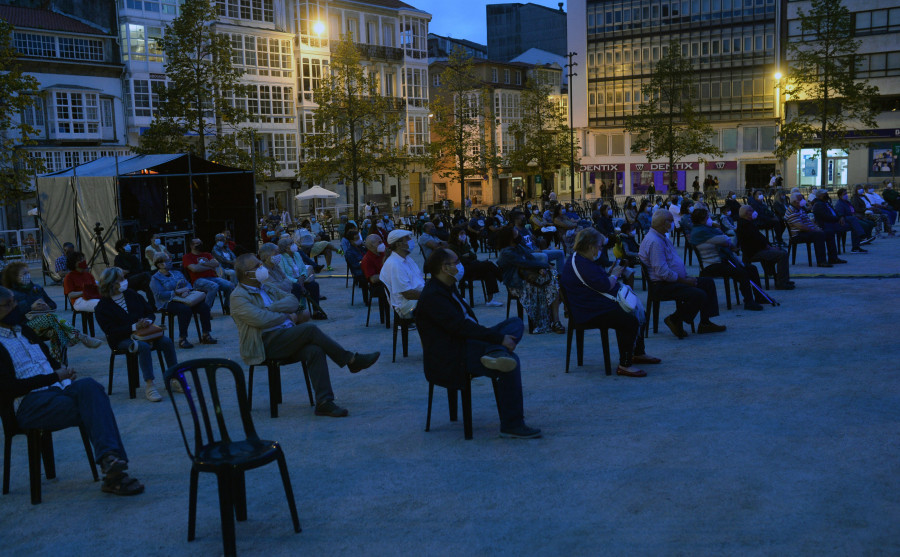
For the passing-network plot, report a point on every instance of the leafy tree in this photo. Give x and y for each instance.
(668, 125)
(462, 144)
(16, 167)
(543, 138)
(235, 150)
(822, 76)
(352, 121)
(201, 78)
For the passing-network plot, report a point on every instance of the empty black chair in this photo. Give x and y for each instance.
(40, 447)
(384, 306)
(275, 398)
(578, 330)
(653, 300)
(212, 449)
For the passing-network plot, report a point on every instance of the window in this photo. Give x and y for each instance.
(416, 134)
(751, 139)
(506, 76)
(80, 49)
(415, 93)
(67, 48)
(251, 10)
(312, 69)
(76, 113)
(494, 74)
(34, 115)
(29, 44)
(284, 150)
(601, 144)
(436, 80)
(518, 78)
(154, 49)
(143, 96)
(767, 138)
(389, 80)
(272, 104)
(729, 140)
(617, 144)
(882, 64)
(137, 45)
(168, 7)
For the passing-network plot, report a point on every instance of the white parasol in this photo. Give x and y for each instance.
(316, 192)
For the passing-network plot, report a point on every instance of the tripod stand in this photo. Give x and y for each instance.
(99, 243)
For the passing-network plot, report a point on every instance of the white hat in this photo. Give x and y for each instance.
(397, 234)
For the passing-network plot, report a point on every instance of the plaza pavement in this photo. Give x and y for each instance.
(778, 437)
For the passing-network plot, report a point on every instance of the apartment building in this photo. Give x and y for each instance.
(514, 28)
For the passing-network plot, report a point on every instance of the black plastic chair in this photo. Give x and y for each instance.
(384, 306)
(403, 326)
(725, 279)
(792, 245)
(275, 398)
(87, 321)
(652, 305)
(578, 331)
(520, 309)
(172, 318)
(40, 447)
(131, 364)
(213, 450)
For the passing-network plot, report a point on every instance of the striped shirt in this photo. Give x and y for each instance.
(798, 220)
(27, 358)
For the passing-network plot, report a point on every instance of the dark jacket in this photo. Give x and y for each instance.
(29, 294)
(586, 302)
(750, 238)
(444, 328)
(825, 214)
(128, 263)
(510, 259)
(12, 387)
(844, 209)
(115, 321)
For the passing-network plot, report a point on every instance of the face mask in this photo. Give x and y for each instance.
(734, 197)
(312, 220)
(709, 221)
(276, 259)
(157, 241)
(411, 244)
(860, 192)
(123, 286)
(220, 244)
(803, 203)
(380, 248)
(81, 265)
(127, 248)
(168, 265)
(462, 237)
(270, 233)
(261, 274)
(460, 271)
(440, 225)
(727, 213)
(294, 248)
(844, 197)
(754, 215)
(480, 223)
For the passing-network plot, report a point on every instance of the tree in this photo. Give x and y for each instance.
(201, 80)
(822, 76)
(352, 125)
(236, 150)
(16, 167)
(543, 138)
(668, 125)
(462, 144)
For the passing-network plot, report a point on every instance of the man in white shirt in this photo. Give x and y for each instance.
(400, 274)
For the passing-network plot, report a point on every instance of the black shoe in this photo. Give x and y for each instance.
(521, 432)
(322, 298)
(331, 410)
(319, 316)
(362, 361)
(675, 327)
(859, 250)
(837, 261)
(752, 307)
(709, 327)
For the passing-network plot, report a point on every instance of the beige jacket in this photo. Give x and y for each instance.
(252, 317)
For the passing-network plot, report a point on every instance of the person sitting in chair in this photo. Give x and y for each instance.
(400, 274)
(271, 326)
(756, 248)
(691, 294)
(138, 279)
(455, 344)
(51, 398)
(201, 267)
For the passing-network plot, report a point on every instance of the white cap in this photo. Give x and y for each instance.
(397, 234)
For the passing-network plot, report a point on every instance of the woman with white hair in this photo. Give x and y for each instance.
(120, 313)
(169, 289)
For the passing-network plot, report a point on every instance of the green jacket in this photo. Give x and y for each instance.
(252, 317)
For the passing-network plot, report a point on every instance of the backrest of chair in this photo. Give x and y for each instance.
(8, 417)
(199, 380)
(699, 257)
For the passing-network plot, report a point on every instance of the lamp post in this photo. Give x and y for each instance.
(779, 116)
(570, 75)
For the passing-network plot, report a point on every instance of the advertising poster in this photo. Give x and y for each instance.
(882, 161)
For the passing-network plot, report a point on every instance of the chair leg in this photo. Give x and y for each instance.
(793, 253)
(239, 491)
(579, 345)
(427, 415)
(88, 451)
(467, 409)
(197, 326)
(274, 395)
(288, 490)
(396, 324)
(451, 404)
(604, 337)
(192, 504)
(250, 388)
(727, 293)
(7, 450)
(112, 362)
(404, 333)
(308, 384)
(47, 455)
(226, 511)
(133, 380)
(568, 346)
(655, 316)
(34, 465)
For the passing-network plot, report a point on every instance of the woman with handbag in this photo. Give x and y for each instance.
(531, 280)
(127, 320)
(592, 297)
(173, 293)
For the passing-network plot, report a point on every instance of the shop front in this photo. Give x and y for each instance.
(724, 175)
(810, 168)
(604, 180)
(645, 174)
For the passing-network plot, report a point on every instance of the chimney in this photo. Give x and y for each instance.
(560, 4)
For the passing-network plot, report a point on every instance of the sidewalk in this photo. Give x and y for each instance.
(779, 436)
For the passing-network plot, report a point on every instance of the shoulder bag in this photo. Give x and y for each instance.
(625, 297)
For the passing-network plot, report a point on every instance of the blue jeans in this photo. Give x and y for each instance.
(507, 386)
(82, 402)
(212, 285)
(145, 353)
(557, 256)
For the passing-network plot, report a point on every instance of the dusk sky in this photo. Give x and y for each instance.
(464, 19)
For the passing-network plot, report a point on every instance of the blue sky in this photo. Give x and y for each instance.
(464, 19)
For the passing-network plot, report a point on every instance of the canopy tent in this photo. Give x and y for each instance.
(138, 196)
(316, 192)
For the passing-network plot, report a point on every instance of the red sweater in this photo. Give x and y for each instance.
(84, 282)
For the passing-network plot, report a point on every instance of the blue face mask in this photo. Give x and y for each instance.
(460, 271)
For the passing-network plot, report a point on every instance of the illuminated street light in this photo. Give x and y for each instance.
(319, 28)
(777, 75)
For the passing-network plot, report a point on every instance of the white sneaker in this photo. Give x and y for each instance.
(152, 394)
(493, 304)
(90, 342)
(176, 386)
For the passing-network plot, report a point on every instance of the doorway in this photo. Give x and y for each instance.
(758, 175)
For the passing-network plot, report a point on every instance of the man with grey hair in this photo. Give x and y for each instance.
(48, 396)
(272, 327)
(804, 229)
(691, 294)
(429, 241)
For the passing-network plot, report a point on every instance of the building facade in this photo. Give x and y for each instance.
(734, 49)
(873, 159)
(514, 28)
(440, 47)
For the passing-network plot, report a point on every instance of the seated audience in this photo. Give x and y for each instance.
(455, 345)
(225, 256)
(353, 255)
(429, 240)
(271, 326)
(50, 397)
(666, 268)
(170, 289)
(476, 269)
(828, 219)
(400, 274)
(766, 218)
(755, 247)
(717, 251)
(861, 229)
(80, 286)
(61, 264)
(154, 248)
(804, 229)
(122, 312)
(202, 268)
(138, 279)
(531, 280)
(297, 272)
(586, 284)
(314, 245)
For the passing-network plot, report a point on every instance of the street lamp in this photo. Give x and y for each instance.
(319, 28)
(779, 116)
(571, 74)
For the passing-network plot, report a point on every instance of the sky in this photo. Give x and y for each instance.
(465, 19)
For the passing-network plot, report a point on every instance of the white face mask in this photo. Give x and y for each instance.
(294, 248)
(803, 203)
(26, 279)
(123, 286)
(261, 274)
(462, 238)
(157, 241)
(734, 197)
(761, 197)
(412, 245)
(460, 271)
(380, 248)
(709, 221)
(754, 215)
(440, 225)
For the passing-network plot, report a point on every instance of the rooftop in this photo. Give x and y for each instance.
(31, 18)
